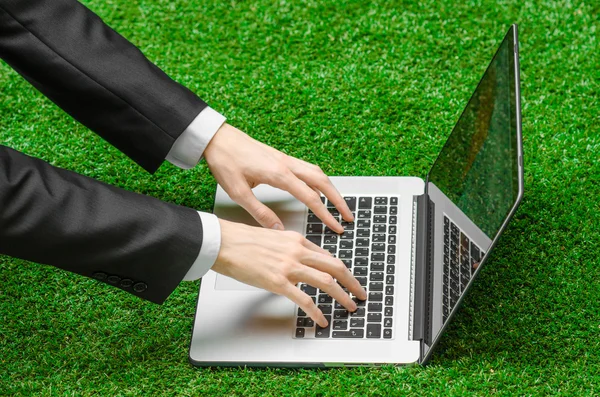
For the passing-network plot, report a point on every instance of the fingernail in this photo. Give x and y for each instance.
(354, 307)
(278, 226)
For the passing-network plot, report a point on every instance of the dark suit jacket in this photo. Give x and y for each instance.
(60, 218)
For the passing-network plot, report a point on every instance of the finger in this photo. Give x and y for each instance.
(313, 176)
(337, 269)
(263, 214)
(306, 303)
(325, 282)
(312, 200)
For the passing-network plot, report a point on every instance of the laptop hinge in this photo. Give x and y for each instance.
(423, 299)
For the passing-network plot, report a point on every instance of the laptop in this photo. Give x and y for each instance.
(416, 246)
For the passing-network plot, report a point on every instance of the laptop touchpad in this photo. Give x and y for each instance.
(227, 283)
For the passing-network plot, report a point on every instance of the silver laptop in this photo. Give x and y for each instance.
(415, 245)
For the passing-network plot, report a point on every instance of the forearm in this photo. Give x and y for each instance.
(96, 76)
(57, 217)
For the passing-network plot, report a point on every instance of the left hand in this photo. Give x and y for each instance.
(239, 163)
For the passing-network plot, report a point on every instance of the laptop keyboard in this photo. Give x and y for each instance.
(460, 254)
(368, 248)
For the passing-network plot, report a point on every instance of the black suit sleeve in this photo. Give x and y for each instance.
(57, 217)
(96, 76)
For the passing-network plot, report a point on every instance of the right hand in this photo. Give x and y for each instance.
(277, 260)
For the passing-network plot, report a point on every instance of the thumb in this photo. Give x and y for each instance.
(263, 214)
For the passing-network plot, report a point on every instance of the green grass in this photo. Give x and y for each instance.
(360, 88)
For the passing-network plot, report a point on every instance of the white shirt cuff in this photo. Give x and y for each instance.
(209, 250)
(187, 150)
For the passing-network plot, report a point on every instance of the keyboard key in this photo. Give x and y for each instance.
(381, 200)
(379, 228)
(364, 214)
(379, 238)
(301, 313)
(375, 296)
(314, 239)
(300, 322)
(299, 332)
(374, 307)
(377, 256)
(389, 279)
(340, 314)
(454, 228)
(373, 330)
(389, 290)
(322, 199)
(346, 244)
(329, 231)
(323, 298)
(379, 209)
(347, 225)
(388, 311)
(323, 332)
(309, 323)
(312, 218)
(393, 219)
(361, 261)
(308, 289)
(365, 202)
(391, 239)
(391, 259)
(363, 233)
(360, 271)
(362, 281)
(347, 262)
(331, 248)
(358, 302)
(387, 333)
(394, 201)
(389, 300)
(340, 324)
(376, 286)
(334, 212)
(393, 229)
(376, 276)
(351, 203)
(362, 242)
(446, 221)
(357, 322)
(345, 254)
(393, 210)
(330, 239)
(364, 223)
(361, 251)
(326, 309)
(348, 235)
(374, 317)
(378, 247)
(314, 228)
(380, 219)
(353, 333)
(390, 269)
(391, 249)
(360, 312)
(387, 322)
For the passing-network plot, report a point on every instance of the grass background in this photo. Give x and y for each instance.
(360, 88)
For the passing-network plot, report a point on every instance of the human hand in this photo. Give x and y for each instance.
(277, 260)
(240, 163)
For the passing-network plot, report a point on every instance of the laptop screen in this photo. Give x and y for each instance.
(478, 166)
